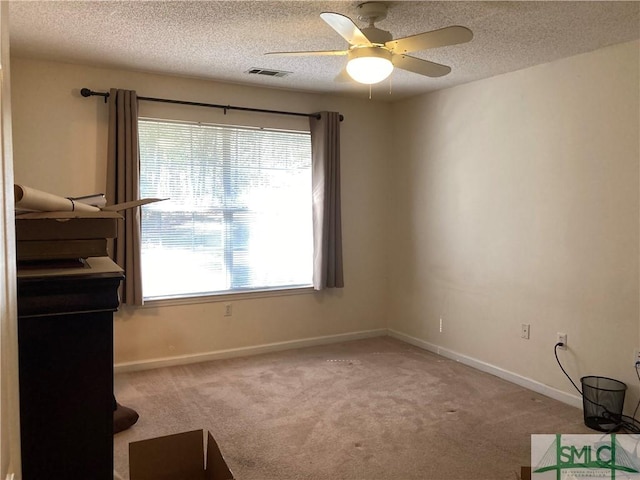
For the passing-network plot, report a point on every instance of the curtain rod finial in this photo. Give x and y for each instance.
(85, 92)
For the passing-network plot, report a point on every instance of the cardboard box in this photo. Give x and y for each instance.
(66, 225)
(33, 250)
(62, 229)
(178, 457)
(72, 224)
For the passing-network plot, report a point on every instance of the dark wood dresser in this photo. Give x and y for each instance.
(65, 348)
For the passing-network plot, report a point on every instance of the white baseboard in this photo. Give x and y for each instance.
(525, 382)
(245, 351)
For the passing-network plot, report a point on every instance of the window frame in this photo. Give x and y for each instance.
(230, 295)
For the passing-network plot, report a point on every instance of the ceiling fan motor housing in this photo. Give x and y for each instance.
(369, 52)
(372, 11)
(376, 35)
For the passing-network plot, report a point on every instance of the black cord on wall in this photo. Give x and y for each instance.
(629, 424)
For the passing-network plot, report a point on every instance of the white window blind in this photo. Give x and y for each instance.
(239, 214)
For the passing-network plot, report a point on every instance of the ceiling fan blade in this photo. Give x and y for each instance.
(436, 38)
(419, 66)
(346, 28)
(316, 53)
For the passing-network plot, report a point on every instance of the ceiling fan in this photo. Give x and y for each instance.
(373, 53)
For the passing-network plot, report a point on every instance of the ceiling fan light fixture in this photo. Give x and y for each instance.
(369, 65)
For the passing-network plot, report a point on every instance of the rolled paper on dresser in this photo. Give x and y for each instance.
(27, 198)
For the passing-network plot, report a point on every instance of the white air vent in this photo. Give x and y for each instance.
(268, 73)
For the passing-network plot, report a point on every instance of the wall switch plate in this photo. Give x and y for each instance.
(228, 310)
(524, 331)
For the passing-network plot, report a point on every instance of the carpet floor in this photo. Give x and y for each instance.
(372, 409)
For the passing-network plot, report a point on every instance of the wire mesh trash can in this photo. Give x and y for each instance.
(602, 400)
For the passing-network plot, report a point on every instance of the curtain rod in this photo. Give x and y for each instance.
(85, 92)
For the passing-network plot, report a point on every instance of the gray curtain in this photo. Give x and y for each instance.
(123, 185)
(327, 226)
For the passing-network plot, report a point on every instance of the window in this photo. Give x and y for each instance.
(238, 216)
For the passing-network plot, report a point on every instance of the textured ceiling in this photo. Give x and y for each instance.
(222, 40)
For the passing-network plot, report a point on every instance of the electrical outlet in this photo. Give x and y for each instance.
(562, 338)
(524, 331)
(228, 310)
(636, 358)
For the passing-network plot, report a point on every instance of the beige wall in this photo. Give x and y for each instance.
(513, 200)
(517, 202)
(60, 146)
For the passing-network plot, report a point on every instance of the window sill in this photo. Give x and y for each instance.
(226, 297)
